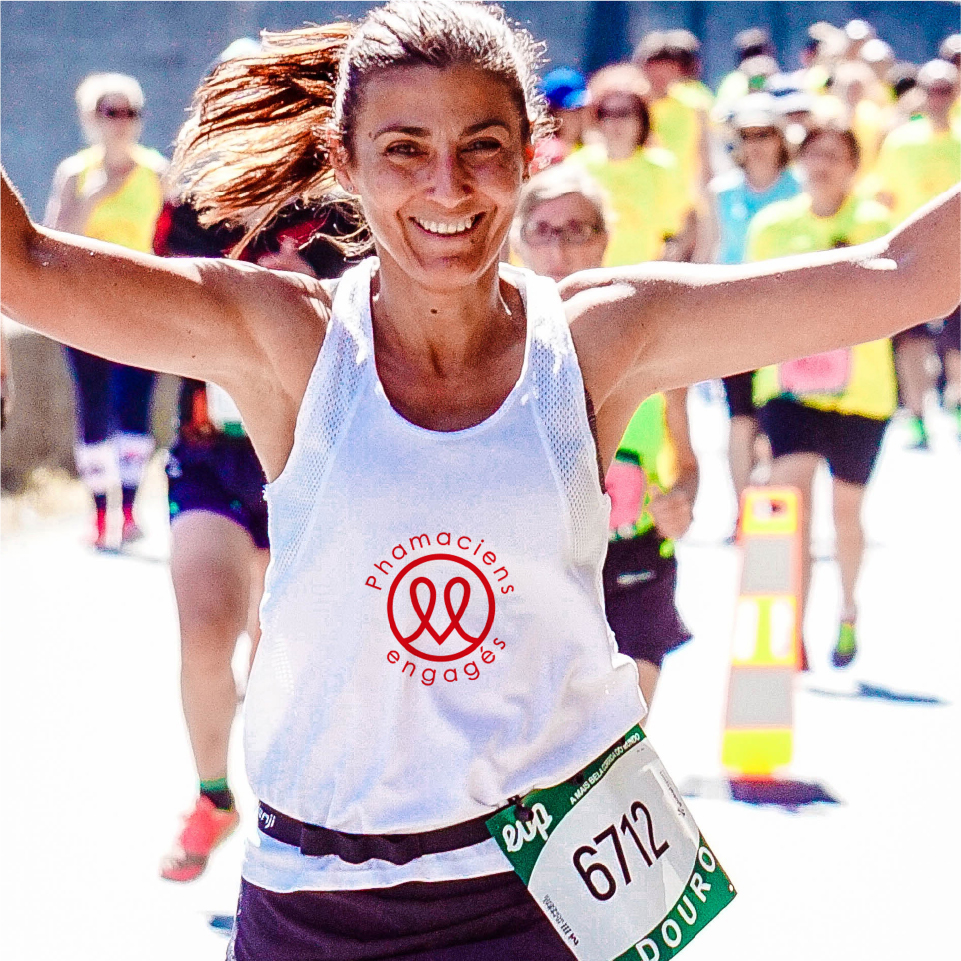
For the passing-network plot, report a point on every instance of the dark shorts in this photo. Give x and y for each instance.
(739, 390)
(492, 918)
(639, 588)
(945, 334)
(221, 475)
(848, 442)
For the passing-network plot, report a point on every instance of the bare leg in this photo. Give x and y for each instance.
(910, 360)
(740, 452)
(848, 499)
(952, 374)
(798, 470)
(647, 674)
(210, 564)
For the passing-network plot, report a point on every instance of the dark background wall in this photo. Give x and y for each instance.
(46, 48)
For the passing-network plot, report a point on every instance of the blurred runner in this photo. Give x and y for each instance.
(565, 91)
(917, 161)
(110, 191)
(747, 44)
(678, 113)
(650, 198)
(679, 120)
(218, 523)
(762, 176)
(835, 406)
(560, 228)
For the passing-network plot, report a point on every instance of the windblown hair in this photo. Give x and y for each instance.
(257, 138)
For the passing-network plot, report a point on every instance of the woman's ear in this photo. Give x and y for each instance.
(528, 160)
(339, 162)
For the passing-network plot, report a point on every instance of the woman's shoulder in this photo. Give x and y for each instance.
(660, 158)
(781, 213)
(727, 183)
(80, 162)
(152, 159)
(872, 215)
(589, 156)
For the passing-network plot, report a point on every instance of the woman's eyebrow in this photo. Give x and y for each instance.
(402, 128)
(424, 132)
(484, 124)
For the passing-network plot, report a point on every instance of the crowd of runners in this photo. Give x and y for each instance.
(643, 162)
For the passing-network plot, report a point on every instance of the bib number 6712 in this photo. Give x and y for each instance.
(589, 872)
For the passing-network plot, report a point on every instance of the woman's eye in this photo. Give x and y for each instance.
(403, 149)
(487, 145)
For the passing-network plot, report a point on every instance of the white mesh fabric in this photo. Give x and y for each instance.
(328, 403)
(562, 412)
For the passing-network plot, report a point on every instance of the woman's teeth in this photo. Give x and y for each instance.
(451, 227)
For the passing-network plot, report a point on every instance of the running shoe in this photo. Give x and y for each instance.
(918, 435)
(846, 647)
(204, 828)
(130, 533)
(98, 540)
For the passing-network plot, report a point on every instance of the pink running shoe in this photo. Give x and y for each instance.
(204, 828)
(130, 532)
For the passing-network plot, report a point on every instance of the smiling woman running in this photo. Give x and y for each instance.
(430, 392)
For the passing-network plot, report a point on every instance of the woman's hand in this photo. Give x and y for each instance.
(673, 512)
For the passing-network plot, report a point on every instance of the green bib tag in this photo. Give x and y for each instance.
(614, 858)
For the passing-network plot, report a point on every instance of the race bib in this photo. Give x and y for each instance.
(827, 373)
(614, 858)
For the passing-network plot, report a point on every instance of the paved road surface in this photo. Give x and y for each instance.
(96, 766)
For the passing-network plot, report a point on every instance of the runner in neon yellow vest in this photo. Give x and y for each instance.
(833, 406)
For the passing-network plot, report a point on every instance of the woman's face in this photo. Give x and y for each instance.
(562, 236)
(760, 146)
(827, 165)
(618, 123)
(115, 122)
(438, 159)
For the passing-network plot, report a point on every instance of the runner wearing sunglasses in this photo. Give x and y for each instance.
(111, 191)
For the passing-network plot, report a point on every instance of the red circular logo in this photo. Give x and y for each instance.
(422, 616)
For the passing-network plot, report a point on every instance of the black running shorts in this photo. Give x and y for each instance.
(944, 333)
(222, 475)
(848, 442)
(639, 588)
(739, 390)
(491, 918)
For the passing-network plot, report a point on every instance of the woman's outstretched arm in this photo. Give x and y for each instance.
(667, 325)
(197, 318)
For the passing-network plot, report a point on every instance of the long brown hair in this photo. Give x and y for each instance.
(257, 136)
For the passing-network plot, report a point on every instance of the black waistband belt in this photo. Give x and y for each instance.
(316, 841)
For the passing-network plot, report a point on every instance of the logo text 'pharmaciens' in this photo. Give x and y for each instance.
(441, 606)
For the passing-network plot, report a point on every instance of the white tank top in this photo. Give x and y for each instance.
(434, 638)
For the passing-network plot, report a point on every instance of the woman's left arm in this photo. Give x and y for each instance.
(670, 325)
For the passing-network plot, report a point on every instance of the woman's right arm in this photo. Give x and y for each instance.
(196, 318)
